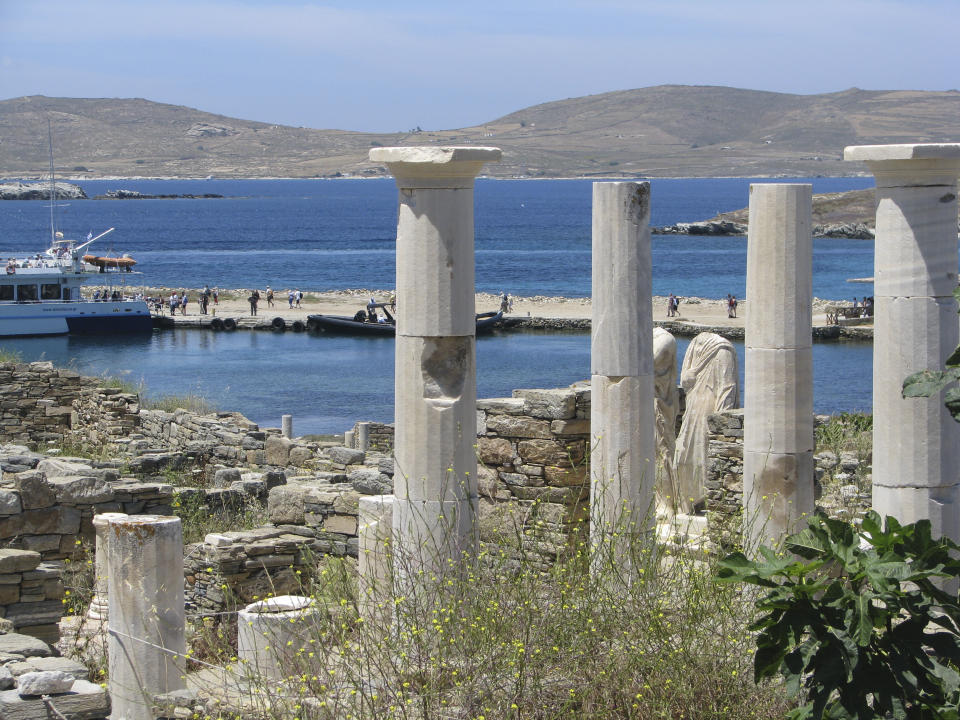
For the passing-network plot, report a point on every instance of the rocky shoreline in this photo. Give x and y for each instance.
(69, 191)
(134, 195)
(40, 191)
(709, 228)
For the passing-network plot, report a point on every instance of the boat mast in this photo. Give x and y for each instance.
(53, 185)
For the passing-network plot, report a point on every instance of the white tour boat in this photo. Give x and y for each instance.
(40, 295)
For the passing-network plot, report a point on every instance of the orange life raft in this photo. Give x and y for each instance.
(117, 262)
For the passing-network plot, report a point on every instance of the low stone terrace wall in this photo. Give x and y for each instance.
(36, 401)
(31, 593)
(310, 516)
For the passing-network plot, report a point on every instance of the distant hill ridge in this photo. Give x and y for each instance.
(668, 130)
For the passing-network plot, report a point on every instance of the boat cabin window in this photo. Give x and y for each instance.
(26, 292)
(66, 293)
(50, 292)
(6, 292)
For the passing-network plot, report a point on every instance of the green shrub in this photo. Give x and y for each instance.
(855, 621)
(927, 383)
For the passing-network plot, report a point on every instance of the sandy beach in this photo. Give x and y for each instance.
(233, 303)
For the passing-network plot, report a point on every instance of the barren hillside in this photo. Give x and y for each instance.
(649, 132)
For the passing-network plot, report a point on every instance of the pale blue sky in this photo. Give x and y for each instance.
(380, 65)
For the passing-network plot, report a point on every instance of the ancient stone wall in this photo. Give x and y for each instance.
(36, 401)
(31, 593)
(105, 416)
(724, 472)
(532, 473)
(310, 516)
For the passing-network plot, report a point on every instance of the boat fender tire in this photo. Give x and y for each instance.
(217, 323)
(361, 316)
(279, 324)
(229, 324)
(298, 326)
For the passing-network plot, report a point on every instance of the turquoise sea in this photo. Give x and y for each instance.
(532, 238)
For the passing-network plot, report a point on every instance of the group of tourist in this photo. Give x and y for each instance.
(37, 261)
(865, 306)
(294, 299)
(181, 300)
(104, 295)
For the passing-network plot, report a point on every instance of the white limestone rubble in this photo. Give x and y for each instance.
(916, 443)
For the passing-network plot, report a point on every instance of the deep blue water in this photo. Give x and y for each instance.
(328, 382)
(532, 238)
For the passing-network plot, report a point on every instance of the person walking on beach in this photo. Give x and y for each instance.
(290, 298)
(216, 296)
(299, 297)
(731, 306)
(183, 302)
(254, 299)
(269, 297)
(504, 302)
(671, 305)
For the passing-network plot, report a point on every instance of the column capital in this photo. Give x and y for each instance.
(897, 165)
(424, 168)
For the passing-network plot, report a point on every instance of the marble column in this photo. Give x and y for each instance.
(435, 478)
(286, 426)
(623, 423)
(363, 436)
(146, 642)
(778, 471)
(916, 443)
(99, 608)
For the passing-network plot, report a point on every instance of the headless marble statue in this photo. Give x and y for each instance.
(710, 380)
(667, 405)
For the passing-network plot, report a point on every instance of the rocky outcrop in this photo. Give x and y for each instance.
(852, 231)
(135, 195)
(40, 191)
(708, 228)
